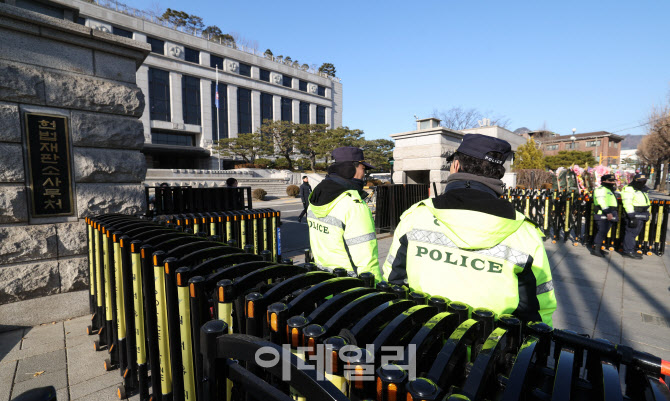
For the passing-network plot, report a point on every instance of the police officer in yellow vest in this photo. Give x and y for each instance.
(471, 246)
(636, 204)
(605, 214)
(341, 228)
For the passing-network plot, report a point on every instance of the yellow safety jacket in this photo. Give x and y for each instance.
(605, 199)
(473, 257)
(342, 234)
(634, 200)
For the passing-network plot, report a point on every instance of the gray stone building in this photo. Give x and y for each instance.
(178, 79)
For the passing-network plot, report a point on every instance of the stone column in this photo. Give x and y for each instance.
(312, 113)
(232, 111)
(296, 111)
(329, 117)
(255, 110)
(53, 67)
(206, 112)
(176, 110)
(255, 72)
(276, 107)
(142, 78)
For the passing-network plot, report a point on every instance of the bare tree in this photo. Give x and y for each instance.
(656, 145)
(246, 42)
(458, 118)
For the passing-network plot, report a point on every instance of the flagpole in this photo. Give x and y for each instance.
(218, 126)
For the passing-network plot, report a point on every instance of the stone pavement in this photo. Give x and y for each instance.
(623, 300)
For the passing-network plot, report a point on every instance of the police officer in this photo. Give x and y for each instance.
(606, 214)
(341, 228)
(471, 246)
(636, 204)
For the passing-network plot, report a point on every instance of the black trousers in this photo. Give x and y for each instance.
(304, 210)
(603, 227)
(631, 234)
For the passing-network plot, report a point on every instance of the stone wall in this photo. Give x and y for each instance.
(53, 66)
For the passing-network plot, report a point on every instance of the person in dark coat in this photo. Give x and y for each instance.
(305, 190)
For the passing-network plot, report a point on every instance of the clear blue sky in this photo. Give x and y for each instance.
(591, 65)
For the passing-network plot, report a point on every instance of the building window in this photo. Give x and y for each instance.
(222, 131)
(191, 55)
(321, 91)
(573, 145)
(159, 94)
(302, 85)
(216, 61)
(122, 32)
(243, 111)
(590, 144)
(286, 109)
(320, 115)
(287, 81)
(245, 69)
(81, 20)
(157, 45)
(304, 113)
(265, 75)
(169, 138)
(190, 96)
(552, 147)
(266, 107)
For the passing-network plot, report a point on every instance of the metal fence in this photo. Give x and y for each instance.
(171, 200)
(393, 200)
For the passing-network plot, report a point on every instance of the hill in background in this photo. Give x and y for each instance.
(631, 141)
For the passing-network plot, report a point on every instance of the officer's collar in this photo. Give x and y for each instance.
(466, 180)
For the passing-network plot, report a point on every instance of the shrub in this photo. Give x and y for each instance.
(373, 182)
(248, 165)
(292, 190)
(281, 164)
(321, 166)
(302, 163)
(266, 163)
(259, 193)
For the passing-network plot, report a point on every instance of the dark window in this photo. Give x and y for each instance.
(304, 113)
(266, 107)
(302, 85)
(321, 91)
(223, 112)
(265, 75)
(81, 20)
(191, 55)
(159, 94)
(215, 61)
(243, 111)
(245, 69)
(286, 109)
(165, 138)
(157, 45)
(190, 99)
(287, 81)
(320, 115)
(122, 32)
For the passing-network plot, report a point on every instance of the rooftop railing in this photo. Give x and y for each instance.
(156, 19)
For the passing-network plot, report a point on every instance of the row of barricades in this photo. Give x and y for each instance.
(175, 199)
(188, 317)
(568, 215)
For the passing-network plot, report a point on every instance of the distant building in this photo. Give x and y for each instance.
(629, 159)
(601, 144)
(178, 80)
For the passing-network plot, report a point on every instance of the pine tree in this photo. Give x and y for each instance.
(528, 156)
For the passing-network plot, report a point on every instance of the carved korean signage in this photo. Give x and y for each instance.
(49, 165)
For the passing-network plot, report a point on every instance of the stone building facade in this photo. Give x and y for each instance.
(602, 144)
(178, 79)
(49, 65)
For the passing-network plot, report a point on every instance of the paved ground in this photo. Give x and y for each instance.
(622, 300)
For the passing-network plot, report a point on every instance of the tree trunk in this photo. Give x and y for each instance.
(312, 161)
(657, 175)
(664, 177)
(289, 161)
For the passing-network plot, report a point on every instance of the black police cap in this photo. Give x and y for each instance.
(478, 145)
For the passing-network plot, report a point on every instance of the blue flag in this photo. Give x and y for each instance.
(216, 97)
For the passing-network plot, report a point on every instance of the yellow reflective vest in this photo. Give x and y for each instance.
(604, 198)
(632, 198)
(342, 234)
(473, 257)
